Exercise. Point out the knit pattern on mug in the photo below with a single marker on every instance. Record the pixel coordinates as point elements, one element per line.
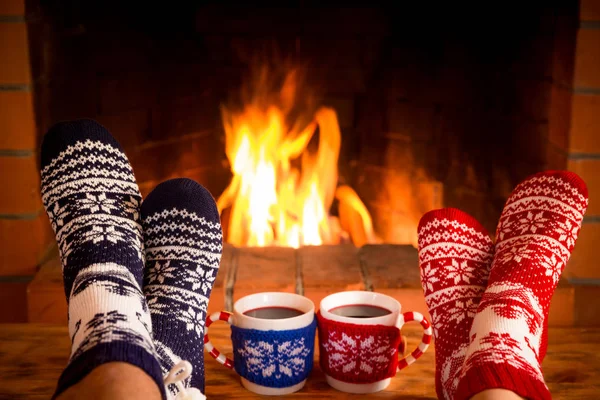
<point>274,358</point>
<point>358,353</point>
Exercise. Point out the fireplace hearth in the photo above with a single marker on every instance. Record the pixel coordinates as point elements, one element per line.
<point>313,271</point>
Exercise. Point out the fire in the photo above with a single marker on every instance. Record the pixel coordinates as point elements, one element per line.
<point>282,187</point>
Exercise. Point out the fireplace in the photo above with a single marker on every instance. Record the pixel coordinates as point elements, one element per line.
<point>434,107</point>
<point>428,117</point>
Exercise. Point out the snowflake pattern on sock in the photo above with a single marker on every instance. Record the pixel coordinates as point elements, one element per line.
<point>92,200</point>
<point>455,254</point>
<point>182,245</point>
<point>536,234</point>
<point>451,367</point>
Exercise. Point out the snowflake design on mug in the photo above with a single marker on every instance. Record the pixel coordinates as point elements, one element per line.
<point>353,354</point>
<point>275,359</point>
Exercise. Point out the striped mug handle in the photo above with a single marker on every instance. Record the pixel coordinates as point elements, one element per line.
<point>216,354</point>
<point>425,340</point>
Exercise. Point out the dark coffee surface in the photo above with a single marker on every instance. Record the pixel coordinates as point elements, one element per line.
<point>273,313</point>
<point>360,311</point>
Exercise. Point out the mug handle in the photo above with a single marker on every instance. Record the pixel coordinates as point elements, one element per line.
<point>425,340</point>
<point>216,354</point>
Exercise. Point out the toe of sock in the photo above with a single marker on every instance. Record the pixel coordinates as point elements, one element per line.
<point>181,193</point>
<point>567,176</point>
<point>67,133</point>
<point>452,214</point>
<point>562,186</point>
<point>576,181</point>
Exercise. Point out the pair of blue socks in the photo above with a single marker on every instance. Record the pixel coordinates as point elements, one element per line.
<point>137,275</point>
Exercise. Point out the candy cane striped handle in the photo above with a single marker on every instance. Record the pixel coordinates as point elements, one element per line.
<point>218,316</point>
<point>425,340</point>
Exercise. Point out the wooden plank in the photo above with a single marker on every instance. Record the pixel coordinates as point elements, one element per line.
<point>32,357</point>
<point>13,301</point>
<point>562,306</point>
<point>17,255</point>
<point>39,353</point>
<point>394,270</point>
<point>572,365</point>
<point>218,296</point>
<point>328,269</point>
<point>46,301</point>
<point>391,266</point>
<point>312,271</point>
<point>264,269</point>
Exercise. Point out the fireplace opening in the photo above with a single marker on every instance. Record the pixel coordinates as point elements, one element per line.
<point>283,153</point>
<point>386,112</point>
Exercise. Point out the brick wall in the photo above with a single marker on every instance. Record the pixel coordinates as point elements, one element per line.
<point>584,158</point>
<point>25,235</point>
<point>164,113</point>
<point>465,110</point>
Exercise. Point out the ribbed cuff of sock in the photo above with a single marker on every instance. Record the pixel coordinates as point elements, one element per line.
<point>501,376</point>
<point>110,352</point>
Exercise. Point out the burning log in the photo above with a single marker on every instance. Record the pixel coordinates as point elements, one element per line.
<point>354,217</point>
<point>282,187</point>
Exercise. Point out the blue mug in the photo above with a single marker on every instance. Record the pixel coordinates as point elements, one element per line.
<point>273,337</point>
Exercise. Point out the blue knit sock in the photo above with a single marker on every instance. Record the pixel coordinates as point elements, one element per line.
<point>92,199</point>
<point>183,244</point>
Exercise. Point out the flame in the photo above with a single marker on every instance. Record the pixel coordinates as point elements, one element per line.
<point>282,188</point>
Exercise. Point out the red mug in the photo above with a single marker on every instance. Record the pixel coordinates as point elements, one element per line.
<point>360,342</point>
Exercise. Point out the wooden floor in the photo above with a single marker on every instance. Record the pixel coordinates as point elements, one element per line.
<point>33,356</point>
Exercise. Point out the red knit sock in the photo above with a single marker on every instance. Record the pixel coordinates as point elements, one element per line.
<point>536,234</point>
<point>455,255</point>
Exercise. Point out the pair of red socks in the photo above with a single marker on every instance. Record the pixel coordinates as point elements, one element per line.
<point>489,303</point>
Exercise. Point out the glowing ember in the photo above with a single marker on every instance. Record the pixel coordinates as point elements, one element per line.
<point>282,190</point>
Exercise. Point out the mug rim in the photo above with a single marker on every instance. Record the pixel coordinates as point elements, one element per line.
<point>364,297</point>
<point>273,299</point>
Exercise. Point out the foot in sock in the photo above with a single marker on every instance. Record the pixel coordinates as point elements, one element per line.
<point>455,254</point>
<point>535,236</point>
<point>92,199</point>
<point>183,245</point>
